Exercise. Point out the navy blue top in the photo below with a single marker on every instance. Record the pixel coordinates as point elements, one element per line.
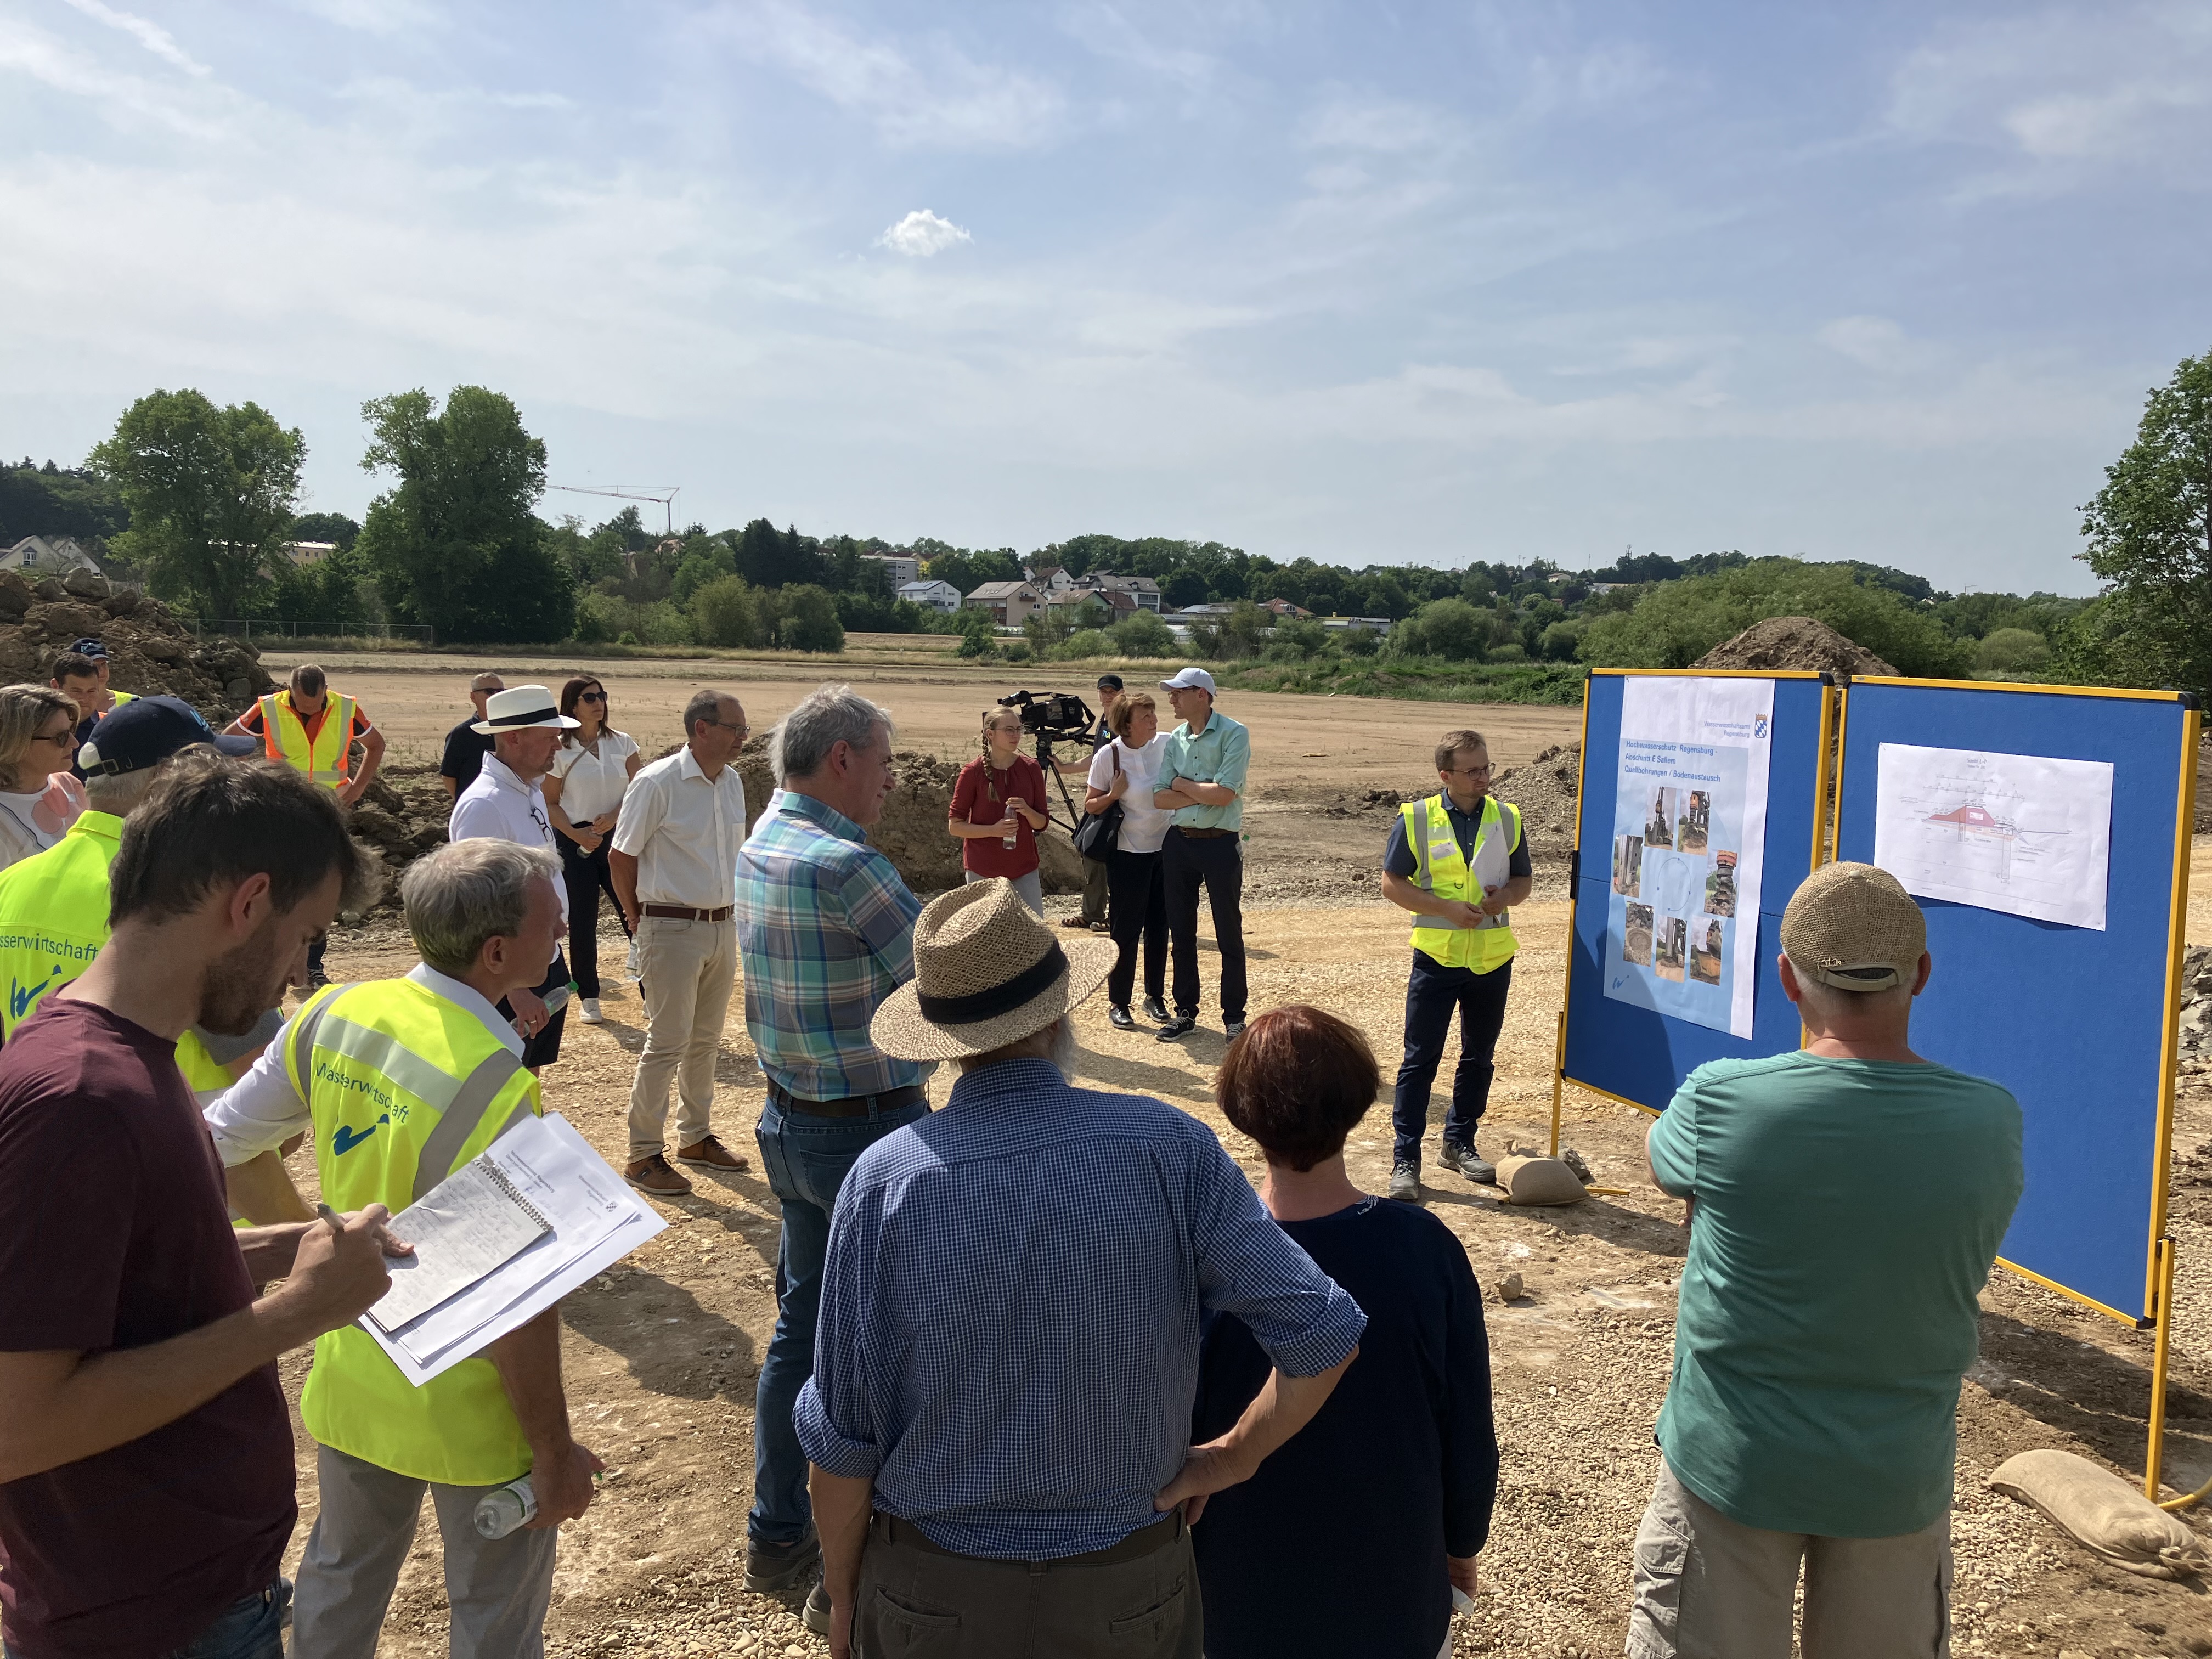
<point>1337,1544</point>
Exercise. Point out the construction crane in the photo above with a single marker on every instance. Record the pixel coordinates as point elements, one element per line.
<point>665,497</point>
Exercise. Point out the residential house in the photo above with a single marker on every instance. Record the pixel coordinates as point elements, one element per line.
<point>1144,592</point>
<point>38,556</point>
<point>309,552</point>
<point>938,596</point>
<point>1049,578</point>
<point>1285,611</point>
<point>904,567</point>
<point>1009,602</point>
<point>1364,624</point>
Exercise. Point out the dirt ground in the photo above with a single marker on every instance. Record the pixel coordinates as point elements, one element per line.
<point>663,1351</point>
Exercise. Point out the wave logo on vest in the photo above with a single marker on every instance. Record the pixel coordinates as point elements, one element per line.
<point>20,996</point>
<point>344,1140</point>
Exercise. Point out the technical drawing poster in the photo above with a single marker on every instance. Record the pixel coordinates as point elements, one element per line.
<point>2024,833</point>
<point>1689,831</point>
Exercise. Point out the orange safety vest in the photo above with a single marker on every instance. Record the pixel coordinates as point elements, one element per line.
<point>325,757</point>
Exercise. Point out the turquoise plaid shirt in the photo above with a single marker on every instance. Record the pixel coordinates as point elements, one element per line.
<point>825,929</point>
<point>1221,754</point>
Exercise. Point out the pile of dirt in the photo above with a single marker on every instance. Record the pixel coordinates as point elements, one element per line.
<point>148,651</point>
<point>1798,643</point>
<point>2194,1044</point>
<point>1545,790</point>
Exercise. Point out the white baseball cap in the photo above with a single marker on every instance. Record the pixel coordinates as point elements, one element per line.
<point>1191,679</point>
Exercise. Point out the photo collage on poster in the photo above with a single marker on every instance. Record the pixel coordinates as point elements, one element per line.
<point>1679,886</point>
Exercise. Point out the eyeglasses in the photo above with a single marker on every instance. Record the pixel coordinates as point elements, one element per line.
<point>1468,771</point>
<point>741,728</point>
<point>591,696</point>
<point>66,735</point>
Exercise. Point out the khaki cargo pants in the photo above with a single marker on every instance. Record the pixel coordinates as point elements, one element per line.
<point>1710,1587</point>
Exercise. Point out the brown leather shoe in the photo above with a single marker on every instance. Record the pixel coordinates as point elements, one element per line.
<point>655,1174</point>
<point>711,1153</point>
<point>1073,921</point>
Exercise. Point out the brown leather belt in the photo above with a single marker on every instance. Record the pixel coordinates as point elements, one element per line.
<point>1201,835</point>
<point>851,1106</point>
<point>686,913</point>
<point>1144,1541</point>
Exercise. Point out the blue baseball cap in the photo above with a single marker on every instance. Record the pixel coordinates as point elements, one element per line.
<point>147,730</point>
<point>92,648</point>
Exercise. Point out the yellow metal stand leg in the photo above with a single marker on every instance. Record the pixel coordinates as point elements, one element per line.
<point>1559,1078</point>
<point>2155,1454</point>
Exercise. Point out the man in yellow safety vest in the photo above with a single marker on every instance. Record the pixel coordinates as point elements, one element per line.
<point>312,729</point>
<point>1457,860</point>
<point>404,1080</point>
<point>53,907</point>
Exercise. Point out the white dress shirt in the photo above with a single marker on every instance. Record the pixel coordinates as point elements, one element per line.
<point>593,784</point>
<point>500,806</point>
<point>684,830</point>
<point>263,1110</point>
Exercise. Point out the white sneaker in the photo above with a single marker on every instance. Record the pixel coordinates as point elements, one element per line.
<point>591,1016</point>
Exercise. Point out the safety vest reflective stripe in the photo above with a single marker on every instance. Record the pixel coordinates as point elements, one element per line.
<point>1440,867</point>
<point>405,1087</point>
<point>327,757</point>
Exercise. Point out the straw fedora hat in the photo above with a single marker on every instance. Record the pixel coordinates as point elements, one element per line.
<point>986,972</point>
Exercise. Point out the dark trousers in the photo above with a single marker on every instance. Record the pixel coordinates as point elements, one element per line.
<point>1217,862</point>
<point>587,877</point>
<point>1137,908</point>
<point>544,1046</point>
<point>1096,886</point>
<point>1433,994</point>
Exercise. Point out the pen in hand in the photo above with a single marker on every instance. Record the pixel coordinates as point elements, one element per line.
<point>385,1241</point>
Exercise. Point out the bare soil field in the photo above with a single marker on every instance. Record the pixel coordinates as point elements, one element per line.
<point>663,1351</point>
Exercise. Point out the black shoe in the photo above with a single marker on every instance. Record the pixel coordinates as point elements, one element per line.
<point>817,1611</point>
<point>1232,1029</point>
<point>1176,1028</point>
<point>779,1566</point>
<point>1405,1183</point>
<point>1156,1011</point>
<point>1118,1018</point>
<point>1470,1163</point>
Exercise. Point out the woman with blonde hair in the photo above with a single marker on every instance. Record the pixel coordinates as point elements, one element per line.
<point>998,808</point>
<point>39,798</point>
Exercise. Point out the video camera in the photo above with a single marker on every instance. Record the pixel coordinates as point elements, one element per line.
<point>1053,715</point>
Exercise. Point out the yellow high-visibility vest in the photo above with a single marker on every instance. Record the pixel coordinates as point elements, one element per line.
<point>1440,868</point>
<point>405,1087</point>
<point>53,920</point>
<point>327,757</point>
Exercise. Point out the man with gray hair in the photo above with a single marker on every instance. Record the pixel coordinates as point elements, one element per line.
<point>826,929</point>
<point>405,1080</point>
<point>674,862</point>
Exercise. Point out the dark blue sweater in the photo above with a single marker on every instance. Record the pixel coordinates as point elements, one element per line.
<point>1337,1544</point>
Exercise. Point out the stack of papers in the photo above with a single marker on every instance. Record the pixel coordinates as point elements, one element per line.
<point>591,1219</point>
<point>471,1222</point>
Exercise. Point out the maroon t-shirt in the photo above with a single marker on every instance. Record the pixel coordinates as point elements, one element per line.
<point>979,795</point>
<point>114,1233</point>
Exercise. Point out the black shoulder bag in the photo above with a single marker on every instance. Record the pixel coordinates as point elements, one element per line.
<point>1095,835</point>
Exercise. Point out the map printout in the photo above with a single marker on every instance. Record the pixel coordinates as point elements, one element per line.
<point>2024,833</point>
<point>1689,834</point>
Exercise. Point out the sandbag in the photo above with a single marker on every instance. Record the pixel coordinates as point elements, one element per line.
<point>2104,1513</point>
<point>1531,1178</point>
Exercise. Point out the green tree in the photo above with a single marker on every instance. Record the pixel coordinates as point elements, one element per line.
<point>210,491</point>
<point>2012,651</point>
<point>723,613</point>
<point>454,543</point>
<point>1450,628</point>
<point>2149,531</point>
<point>809,619</point>
<point>325,527</point>
<point>1142,634</point>
<point>58,500</point>
<point>1048,627</point>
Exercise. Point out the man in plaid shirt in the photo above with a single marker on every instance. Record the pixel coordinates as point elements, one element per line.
<point>825,931</point>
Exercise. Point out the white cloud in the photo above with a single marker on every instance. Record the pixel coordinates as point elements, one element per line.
<point>150,35</point>
<point>1870,342</point>
<point>922,233</point>
<point>935,97</point>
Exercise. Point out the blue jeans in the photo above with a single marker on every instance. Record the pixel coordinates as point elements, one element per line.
<point>1434,994</point>
<point>252,1628</point>
<point>805,1159</point>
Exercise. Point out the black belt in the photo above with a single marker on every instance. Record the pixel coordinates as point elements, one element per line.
<point>685,913</point>
<point>1200,835</point>
<point>1145,1540</point>
<point>851,1106</point>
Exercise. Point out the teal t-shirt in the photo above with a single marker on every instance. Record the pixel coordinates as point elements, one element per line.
<point>1848,1212</point>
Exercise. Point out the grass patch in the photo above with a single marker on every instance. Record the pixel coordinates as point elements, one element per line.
<point>1426,679</point>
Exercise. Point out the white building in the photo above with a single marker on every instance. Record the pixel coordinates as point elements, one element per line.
<point>938,596</point>
<point>40,555</point>
<point>904,569</point>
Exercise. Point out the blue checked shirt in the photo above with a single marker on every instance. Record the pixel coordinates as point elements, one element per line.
<point>825,931</point>
<point>1011,1305</point>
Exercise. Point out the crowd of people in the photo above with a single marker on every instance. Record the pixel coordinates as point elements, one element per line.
<point>1048,1374</point>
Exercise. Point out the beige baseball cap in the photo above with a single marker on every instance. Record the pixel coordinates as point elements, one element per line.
<point>1854,928</point>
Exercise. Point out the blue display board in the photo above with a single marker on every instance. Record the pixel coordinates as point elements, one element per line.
<point>1637,1055</point>
<point>2077,1022</point>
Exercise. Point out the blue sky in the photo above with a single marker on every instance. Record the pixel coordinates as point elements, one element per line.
<point>1362,283</point>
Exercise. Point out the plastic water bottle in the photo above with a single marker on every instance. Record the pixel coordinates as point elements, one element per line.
<point>503,1509</point>
<point>1013,829</point>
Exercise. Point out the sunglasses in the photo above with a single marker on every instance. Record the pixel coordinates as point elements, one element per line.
<point>591,696</point>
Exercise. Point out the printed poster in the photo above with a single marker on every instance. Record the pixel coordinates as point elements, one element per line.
<point>1689,834</point>
<point>2029,834</point>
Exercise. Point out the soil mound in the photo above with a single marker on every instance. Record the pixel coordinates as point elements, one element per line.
<point>1798,643</point>
<point>1546,790</point>
<point>148,651</point>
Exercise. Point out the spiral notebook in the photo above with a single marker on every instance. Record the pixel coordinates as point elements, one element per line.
<point>473,1223</point>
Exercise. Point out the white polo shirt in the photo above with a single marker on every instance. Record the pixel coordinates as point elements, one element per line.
<point>500,806</point>
<point>684,830</point>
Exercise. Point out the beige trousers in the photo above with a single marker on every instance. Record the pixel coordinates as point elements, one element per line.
<point>1710,1587</point>
<point>687,968</point>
